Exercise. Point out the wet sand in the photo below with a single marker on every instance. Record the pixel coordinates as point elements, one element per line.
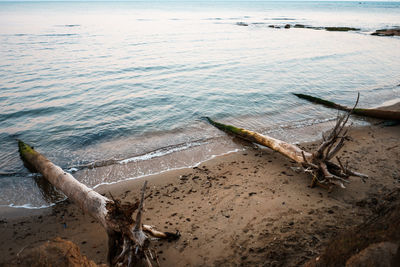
<point>244,208</point>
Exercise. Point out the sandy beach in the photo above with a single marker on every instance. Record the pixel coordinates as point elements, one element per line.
<point>248,208</point>
<point>118,94</point>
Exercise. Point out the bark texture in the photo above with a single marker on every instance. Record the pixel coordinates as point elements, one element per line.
<point>128,243</point>
<point>324,172</point>
<point>373,113</point>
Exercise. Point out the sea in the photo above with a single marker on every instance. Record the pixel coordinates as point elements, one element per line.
<point>112,91</point>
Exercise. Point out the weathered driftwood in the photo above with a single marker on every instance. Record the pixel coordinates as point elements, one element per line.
<point>374,113</point>
<point>325,172</point>
<point>128,242</point>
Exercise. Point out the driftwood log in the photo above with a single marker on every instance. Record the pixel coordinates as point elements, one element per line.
<point>324,172</point>
<point>128,243</point>
<point>373,113</point>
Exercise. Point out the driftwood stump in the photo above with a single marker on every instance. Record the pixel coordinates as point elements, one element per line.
<point>128,238</point>
<point>318,163</point>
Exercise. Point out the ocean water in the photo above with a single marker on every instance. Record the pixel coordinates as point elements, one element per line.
<point>116,90</point>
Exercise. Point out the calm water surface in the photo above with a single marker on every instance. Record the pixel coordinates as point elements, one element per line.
<point>125,84</point>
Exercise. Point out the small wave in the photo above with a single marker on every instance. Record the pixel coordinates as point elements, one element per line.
<point>31,80</point>
<point>138,44</point>
<point>305,123</point>
<point>59,34</point>
<point>170,169</point>
<point>214,19</point>
<point>150,155</point>
<point>92,165</point>
<point>45,111</point>
<point>29,206</point>
<point>72,170</point>
<point>280,19</point>
<point>14,174</point>
<point>162,152</point>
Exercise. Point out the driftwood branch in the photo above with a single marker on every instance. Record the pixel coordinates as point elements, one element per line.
<point>374,113</point>
<point>324,172</point>
<point>128,242</point>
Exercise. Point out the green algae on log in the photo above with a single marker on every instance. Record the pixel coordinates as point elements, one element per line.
<point>128,242</point>
<point>373,113</point>
<point>325,173</point>
<point>291,151</point>
<point>27,154</point>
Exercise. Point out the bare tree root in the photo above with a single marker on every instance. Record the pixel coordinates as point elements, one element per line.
<point>319,164</point>
<point>128,238</point>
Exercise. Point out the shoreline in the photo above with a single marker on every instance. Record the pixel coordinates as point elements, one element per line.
<point>310,133</point>
<point>116,171</point>
<point>160,158</point>
<point>239,208</point>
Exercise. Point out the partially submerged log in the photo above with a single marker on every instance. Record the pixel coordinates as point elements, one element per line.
<point>128,242</point>
<point>291,151</point>
<point>324,172</point>
<point>374,113</point>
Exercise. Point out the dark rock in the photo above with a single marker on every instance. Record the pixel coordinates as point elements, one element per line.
<point>299,26</point>
<point>287,26</point>
<point>387,32</point>
<point>341,29</point>
<point>314,28</point>
<point>242,24</point>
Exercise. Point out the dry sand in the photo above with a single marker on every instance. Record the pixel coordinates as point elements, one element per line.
<point>248,208</point>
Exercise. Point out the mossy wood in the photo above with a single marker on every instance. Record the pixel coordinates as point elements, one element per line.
<point>128,239</point>
<point>373,113</point>
<point>291,151</point>
<point>324,172</point>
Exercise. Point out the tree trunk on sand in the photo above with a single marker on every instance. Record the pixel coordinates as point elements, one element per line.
<point>128,244</point>
<point>325,173</point>
<point>373,113</point>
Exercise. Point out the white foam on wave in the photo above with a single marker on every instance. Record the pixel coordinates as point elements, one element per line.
<point>162,152</point>
<point>305,123</point>
<point>170,169</point>
<point>31,207</point>
<point>72,170</point>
